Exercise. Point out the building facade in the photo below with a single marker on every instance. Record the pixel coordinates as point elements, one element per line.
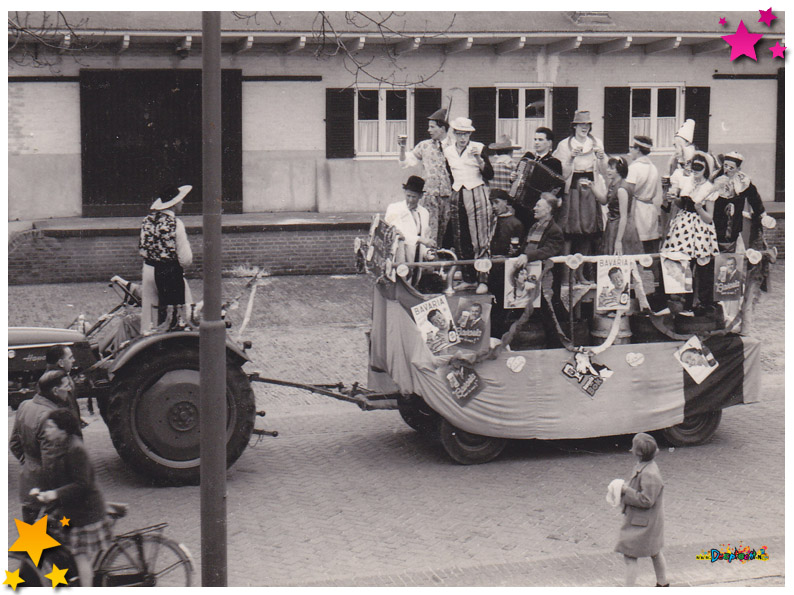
<point>106,113</point>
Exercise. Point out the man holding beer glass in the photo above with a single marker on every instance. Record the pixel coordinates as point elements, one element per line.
<point>430,153</point>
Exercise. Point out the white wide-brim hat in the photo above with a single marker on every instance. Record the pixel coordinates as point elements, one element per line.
<point>161,205</point>
<point>462,124</point>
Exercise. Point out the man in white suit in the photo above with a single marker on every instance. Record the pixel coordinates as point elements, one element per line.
<point>411,220</point>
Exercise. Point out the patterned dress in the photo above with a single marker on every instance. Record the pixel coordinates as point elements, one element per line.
<point>688,232</point>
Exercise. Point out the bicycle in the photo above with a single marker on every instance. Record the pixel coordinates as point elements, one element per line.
<point>139,558</point>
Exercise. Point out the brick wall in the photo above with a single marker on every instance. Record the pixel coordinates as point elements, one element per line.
<point>57,256</point>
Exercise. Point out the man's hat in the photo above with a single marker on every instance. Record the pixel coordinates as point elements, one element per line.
<point>735,157</point>
<point>687,131</point>
<point>415,184</point>
<point>439,115</point>
<point>170,197</point>
<point>581,117</point>
<point>462,124</point>
<point>504,142</point>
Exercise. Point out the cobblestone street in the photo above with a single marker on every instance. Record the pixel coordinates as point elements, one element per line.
<point>344,497</point>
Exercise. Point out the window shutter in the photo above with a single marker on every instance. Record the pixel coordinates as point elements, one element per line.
<point>426,101</point>
<point>482,111</point>
<point>616,119</point>
<point>564,101</point>
<point>696,107</point>
<point>339,124</point>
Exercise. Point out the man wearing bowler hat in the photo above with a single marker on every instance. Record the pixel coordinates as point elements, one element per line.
<point>438,186</point>
<point>412,221</point>
<point>166,251</point>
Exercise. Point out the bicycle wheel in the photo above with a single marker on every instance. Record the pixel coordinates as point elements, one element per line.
<point>145,560</point>
<point>28,572</point>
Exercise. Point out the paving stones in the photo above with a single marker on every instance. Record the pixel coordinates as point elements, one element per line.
<point>344,497</point>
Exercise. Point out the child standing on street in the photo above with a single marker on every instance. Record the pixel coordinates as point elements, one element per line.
<point>642,533</point>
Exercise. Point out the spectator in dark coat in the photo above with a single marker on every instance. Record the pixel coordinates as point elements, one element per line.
<point>28,442</point>
<point>61,357</point>
<point>642,533</point>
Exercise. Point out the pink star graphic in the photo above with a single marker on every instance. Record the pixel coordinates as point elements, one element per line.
<point>742,42</point>
<point>767,17</point>
<point>777,50</point>
<point>723,22</point>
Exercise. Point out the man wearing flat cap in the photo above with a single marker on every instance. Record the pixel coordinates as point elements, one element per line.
<point>412,221</point>
<point>166,251</point>
<point>438,186</point>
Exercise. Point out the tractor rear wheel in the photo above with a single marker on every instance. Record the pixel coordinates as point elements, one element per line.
<point>153,414</point>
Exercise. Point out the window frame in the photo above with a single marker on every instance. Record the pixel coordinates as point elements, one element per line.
<point>522,88</point>
<point>680,108</point>
<point>381,154</point>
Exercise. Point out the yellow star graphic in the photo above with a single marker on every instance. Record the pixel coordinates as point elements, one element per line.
<point>57,576</point>
<point>33,539</point>
<point>64,522</point>
<point>12,579</point>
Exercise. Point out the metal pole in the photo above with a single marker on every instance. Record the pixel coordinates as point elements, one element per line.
<point>212,332</point>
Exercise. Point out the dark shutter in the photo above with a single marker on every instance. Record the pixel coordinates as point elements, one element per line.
<point>339,124</point>
<point>482,111</point>
<point>616,119</point>
<point>564,101</point>
<point>426,101</point>
<point>696,107</point>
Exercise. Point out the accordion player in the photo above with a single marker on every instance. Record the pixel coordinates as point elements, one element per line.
<point>533,178</point>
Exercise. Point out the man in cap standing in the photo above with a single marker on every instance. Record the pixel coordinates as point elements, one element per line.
<point>502,162</point>
<point>438,187</point>
<point>166,251</point>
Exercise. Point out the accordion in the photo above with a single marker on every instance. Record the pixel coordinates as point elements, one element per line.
<point>532,178</point>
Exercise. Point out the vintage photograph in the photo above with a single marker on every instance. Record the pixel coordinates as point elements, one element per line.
<point>269,282</point>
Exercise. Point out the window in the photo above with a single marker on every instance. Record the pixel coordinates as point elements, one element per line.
<point>520,111</point>
<point>381,115</point>
<point>656,112</point>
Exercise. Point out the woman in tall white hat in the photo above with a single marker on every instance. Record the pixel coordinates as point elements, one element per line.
<point>166,252</point>
<point>471,215</point>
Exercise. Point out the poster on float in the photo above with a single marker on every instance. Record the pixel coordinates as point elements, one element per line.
<point>520,282</point>
<point>613,283</point>
<point>435,322</point>
<point>676,274</point>
<point>728,277</point>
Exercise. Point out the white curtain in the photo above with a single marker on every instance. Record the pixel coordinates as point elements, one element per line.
<point>367,136</point>
<point>640,126</point>
<point>530,126</point>
<point>508,126</point>
<point>665,131</point>
<point>393,128</point>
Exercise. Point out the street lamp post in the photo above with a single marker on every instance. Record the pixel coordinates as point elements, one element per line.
<point>212,331</point>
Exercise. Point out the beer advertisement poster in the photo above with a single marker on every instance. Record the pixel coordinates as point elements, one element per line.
<point>520,282</point>
<point>436,323</point>
<point>613,283</point>
<point>463,382</point>
<point>728,277</point>
<point>473,321</point>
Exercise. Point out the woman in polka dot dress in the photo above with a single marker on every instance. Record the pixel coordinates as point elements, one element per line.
<point>692,231</point>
